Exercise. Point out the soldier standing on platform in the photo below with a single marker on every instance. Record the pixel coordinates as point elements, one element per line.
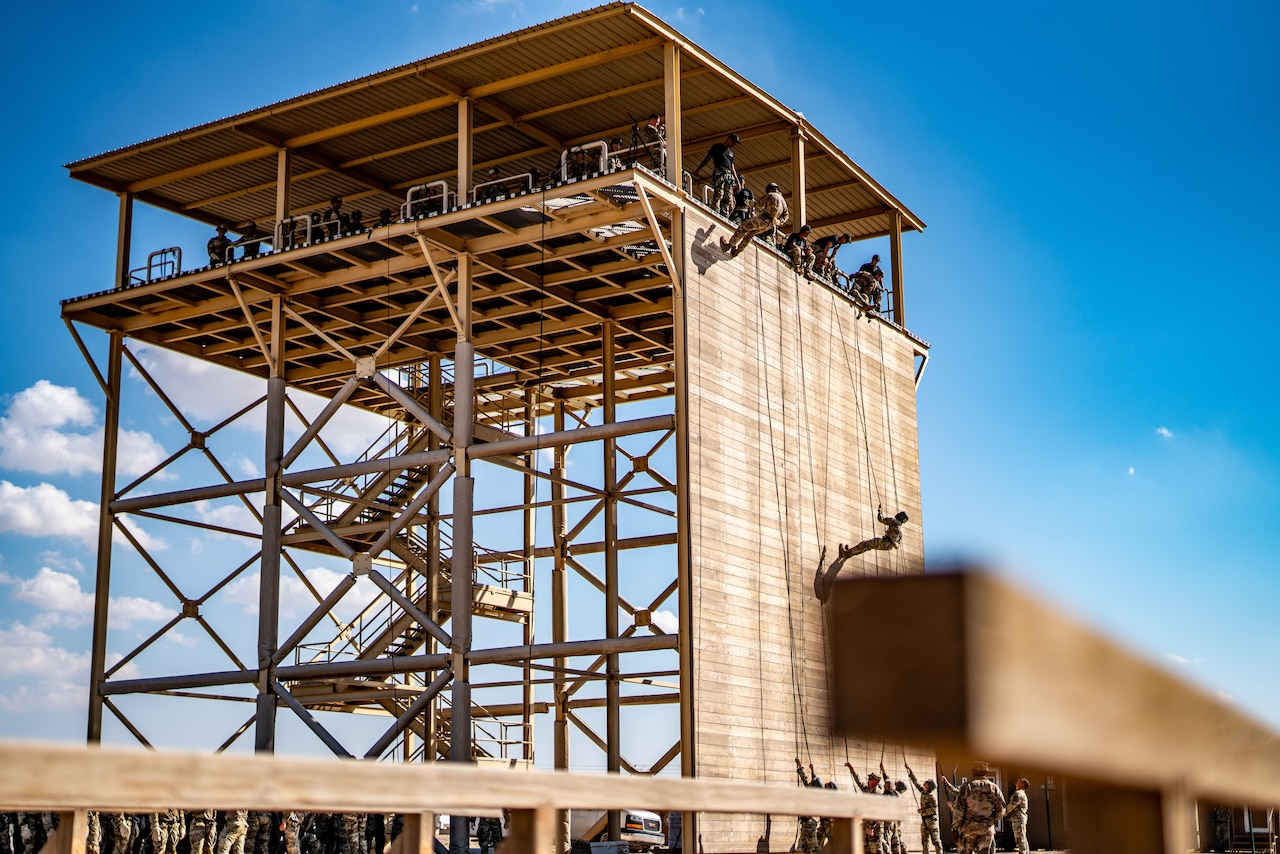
<point>724,176</point>
<point>928,813</point>
<point>218,246</point>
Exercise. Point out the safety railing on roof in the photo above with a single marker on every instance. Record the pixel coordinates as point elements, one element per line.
<point>161,264</point>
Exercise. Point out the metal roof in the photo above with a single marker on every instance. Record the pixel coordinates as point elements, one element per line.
<point>580,78</point>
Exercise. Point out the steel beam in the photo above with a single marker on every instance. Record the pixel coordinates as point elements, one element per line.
<point>106,526</point>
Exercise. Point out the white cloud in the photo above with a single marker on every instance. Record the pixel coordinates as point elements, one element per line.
<point>248,467</point>
<point>37,435</point>
<point>295,599</point>
<point>57,560</point>
<point>46,511</point>
<point>62,601</point>
<point>1224,697</point>
<point>1164,432</point>
<point>1175,658</point>
<point>60,677</point>
<point>231,514</point>
<point>1130,469</point>
<point>666,621</point>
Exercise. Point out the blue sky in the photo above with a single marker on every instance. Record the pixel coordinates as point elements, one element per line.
<point>1098,419</point>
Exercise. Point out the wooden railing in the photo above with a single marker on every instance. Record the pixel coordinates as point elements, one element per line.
<point>978,670</point>
<point>971,667</point>
<point>70,780</point>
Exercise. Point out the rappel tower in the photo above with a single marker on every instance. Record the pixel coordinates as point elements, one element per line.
<point>591,416</point>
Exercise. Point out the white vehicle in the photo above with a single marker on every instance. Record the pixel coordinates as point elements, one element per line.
<point>641,829</point>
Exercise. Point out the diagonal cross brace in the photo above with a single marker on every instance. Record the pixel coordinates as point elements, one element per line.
<point>410,608</point>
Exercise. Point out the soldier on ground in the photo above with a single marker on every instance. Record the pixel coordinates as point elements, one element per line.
<point>928,813</point>
<point>290,825</point>
<point>203,831</point>
<point>809,843</point>
<point>771,215</point>
<point>489,834</point>
<point>1017,813</point>
<point>218,246</point>
<point>873,838</point>
<point>979,806</point>
<point>232,837</point>
<point>167,828</point>
<point>724,176</point>
<point>1220,822</point>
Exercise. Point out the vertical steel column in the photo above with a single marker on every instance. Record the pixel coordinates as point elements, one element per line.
<point>284,190</point>
<point>124,240</point>
<point>269,576</point>
<point>613,703</point>
<point>463,558</point>
<point>560,608</point>
<point>799,202</point>
<point>106,527</point>
<point>684,532</point>
<point>530,545</point>
<point>466,115</point>
<point>895,267</point>
<point>671,95</point>
<point>435,405</point>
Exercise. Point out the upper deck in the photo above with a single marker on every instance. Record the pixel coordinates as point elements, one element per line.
<point>548,262</point>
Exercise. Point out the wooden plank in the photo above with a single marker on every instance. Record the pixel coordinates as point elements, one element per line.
<point>59,777</point>
<point>981,669</point>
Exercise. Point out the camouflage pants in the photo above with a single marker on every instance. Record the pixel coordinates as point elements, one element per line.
<point>291,838</point>
<point>352,834</point>
<point>874,840</point>
<point>976,839</point>
<point>122,834</point>
<point>722,185</point>
<point>882,544</point>
<point>258,839</point>
<point>165,836</point>
<point>201,835</point>
<point>489,834</point>
<point>801,258</point>
<point>1020,836</point>
<point>929,831</point>
<point>893,836</point>
<point>93,839</point>
<point>743,234</point>
<point>232,838</point>
<point>808,835</point>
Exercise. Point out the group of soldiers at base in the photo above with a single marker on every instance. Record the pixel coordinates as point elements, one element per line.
<point>215,832</point>
<point>26,832</point>
<point>976,806</point>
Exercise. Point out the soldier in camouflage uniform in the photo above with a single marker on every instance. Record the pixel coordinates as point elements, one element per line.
<point>825,826</point>
<point>771,215</point>
<point>808,824</point>
<point>203,831</point>
<point>290,826</point>
<point>1017,813</point>
<point>232,837</point>
<point>797,249</point>
<point>218,246</point>
<point>928,813</point>
<point>488,834</point>
<point>873,838</point>
<point>1220,821</point>
<point>979,806</point>
<point>352,840</point>
<point>166,829</point>
<point>258,837</point>
<point>7,821</point>
<point>892,534</point>
<point>121,833</point>
<point>893,829</point>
